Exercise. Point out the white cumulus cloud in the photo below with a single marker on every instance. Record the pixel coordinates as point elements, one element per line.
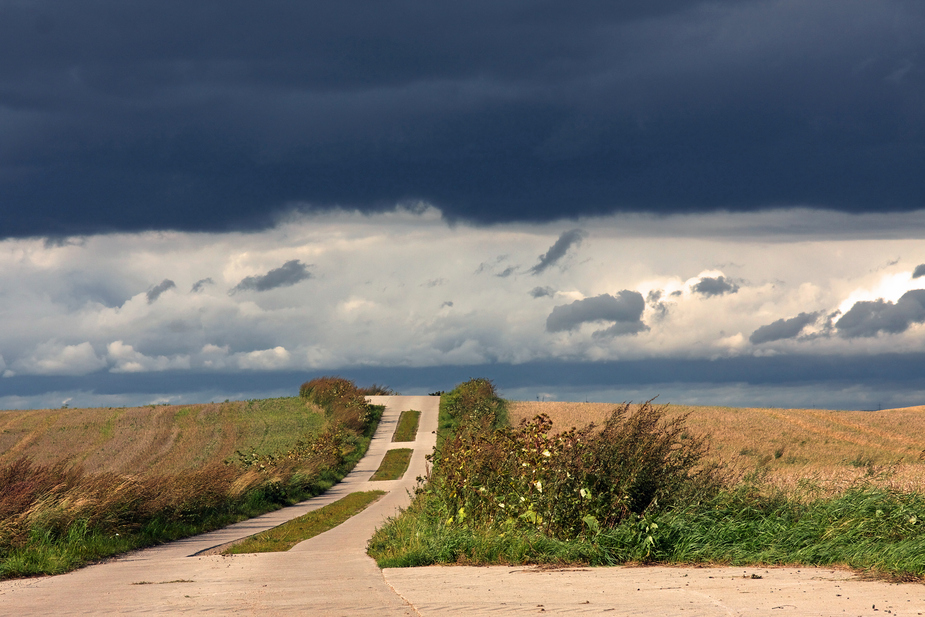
<point>54,358</point>
<point>126,360</point>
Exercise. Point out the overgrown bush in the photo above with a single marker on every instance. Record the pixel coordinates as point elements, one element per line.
<point>341,401</point>
<point>634,490</point>
<point>378,390</point>
<point>575,481</point>
<point>474,402</point>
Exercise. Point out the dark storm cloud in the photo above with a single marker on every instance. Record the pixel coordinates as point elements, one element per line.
<point>155,292</point>
<point>782,328</point>
<point>288,274</point>
<point>919,271</point>
<point>201,284</point>
<point>542,292</point>
<point>558,250</point>
<point>715,286</point>
<point>224,114</point>
<point>625,309</point>
<point>869,318</point>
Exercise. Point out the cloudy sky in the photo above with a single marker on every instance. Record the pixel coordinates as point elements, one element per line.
<point>713,202</point>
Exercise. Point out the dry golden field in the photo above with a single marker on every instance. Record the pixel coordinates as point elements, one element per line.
<point>157,438</point>
<point>797,449</point>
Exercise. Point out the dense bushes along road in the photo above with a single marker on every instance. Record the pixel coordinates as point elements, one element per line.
<point>635,489</point>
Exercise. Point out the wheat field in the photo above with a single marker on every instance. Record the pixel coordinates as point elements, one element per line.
<point>792,449</point>
<point>156,438</point>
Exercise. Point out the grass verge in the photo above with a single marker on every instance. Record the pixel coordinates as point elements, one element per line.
<point>866,529</point>
<point>307,526</point>
<point>407,428</point>
<point>393,465</point>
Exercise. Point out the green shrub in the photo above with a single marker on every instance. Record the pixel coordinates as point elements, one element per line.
<point>474,401</point>
<point>576,481</point>
<point>341,401</point>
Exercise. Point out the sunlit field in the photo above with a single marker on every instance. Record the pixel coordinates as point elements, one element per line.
<point>793,448</point>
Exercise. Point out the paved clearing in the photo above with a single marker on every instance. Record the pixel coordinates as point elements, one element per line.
<point>332,575</point>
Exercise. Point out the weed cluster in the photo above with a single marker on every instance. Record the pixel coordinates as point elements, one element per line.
<point>575,481</point>
<point>50,502</point>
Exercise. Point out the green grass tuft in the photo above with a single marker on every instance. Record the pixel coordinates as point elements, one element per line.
<point>407,428</point>
<point>307,526</point>
<point>393,465</point>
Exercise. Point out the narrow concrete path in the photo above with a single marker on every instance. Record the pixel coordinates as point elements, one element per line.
<point>327,575</point>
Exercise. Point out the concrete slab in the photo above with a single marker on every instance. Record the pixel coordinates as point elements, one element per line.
<point>652,590</point>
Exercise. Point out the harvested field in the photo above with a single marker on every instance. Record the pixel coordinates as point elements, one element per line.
<point>156,438</point>
<point>797,449</point>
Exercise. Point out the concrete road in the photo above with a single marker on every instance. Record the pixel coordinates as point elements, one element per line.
<point>332,575</point>
<point>657,591</point>
<point>327,575</point>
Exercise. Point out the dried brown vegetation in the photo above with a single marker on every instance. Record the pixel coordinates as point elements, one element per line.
<point>155,439</point>
<point>793,449</point>
<point>79,484</point>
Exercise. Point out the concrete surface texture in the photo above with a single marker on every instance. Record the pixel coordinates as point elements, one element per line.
<point>332,575</point>
<point>327,575</point>
<point>651,590</point>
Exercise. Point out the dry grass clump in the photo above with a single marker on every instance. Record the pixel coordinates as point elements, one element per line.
<point>51,500</point>
<point>820,451</point>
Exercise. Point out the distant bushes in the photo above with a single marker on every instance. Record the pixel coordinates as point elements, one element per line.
<point>341,401</point>
<point>474,402</point>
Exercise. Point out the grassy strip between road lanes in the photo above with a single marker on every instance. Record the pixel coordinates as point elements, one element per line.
<point>407,428</point>
<point>307,526</point>
<point>394,464</point>
<point>635,490</point>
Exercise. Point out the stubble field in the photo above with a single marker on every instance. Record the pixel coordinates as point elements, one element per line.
<point>818,451</point>
<point>157,438</point>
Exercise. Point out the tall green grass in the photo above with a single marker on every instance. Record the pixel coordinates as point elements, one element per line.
<point>309,525</point>
<point>865,528</point>
<point>407,427</point>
